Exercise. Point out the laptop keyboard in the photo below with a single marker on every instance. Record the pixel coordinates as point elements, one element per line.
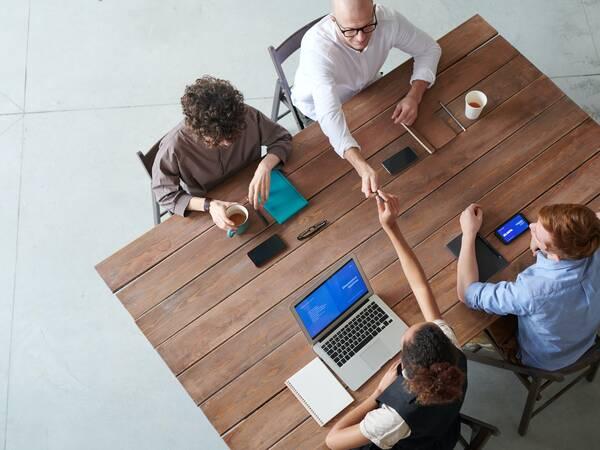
<point>357,333</point>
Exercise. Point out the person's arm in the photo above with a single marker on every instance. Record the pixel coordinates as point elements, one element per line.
<point>467,271</point>
<point>169,194</point>
<point>388,208</point>
<point>279,146</point>
<point>217,211</point>
<point>345,433</point>
<point>331,118</point>
<point>166,183</point>
<point>276,138</point>
<point>426,53</point>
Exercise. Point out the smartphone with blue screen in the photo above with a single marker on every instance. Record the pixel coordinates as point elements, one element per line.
<point>512,228</point>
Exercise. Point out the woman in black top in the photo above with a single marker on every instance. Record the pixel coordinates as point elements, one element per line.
<point>417,402</point>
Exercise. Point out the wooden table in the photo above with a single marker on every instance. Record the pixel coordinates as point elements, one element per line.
<point>223,326</point>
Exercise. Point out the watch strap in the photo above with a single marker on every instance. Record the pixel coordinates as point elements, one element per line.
<point>207,201</point>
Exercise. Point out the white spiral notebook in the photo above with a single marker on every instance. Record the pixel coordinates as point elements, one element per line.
<point>319,391</point>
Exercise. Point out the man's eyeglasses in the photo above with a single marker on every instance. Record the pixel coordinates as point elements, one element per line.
<point>351,32</point>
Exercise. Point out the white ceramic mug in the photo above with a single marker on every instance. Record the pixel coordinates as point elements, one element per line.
<point>472,99</point>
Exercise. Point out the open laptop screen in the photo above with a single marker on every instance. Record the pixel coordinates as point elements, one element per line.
<point>334,296</point>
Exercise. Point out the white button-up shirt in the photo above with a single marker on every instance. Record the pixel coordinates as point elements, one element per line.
<point>330,72</point>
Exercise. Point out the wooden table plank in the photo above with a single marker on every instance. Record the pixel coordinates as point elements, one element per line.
<point>160,242</point>
<point>256,297</point>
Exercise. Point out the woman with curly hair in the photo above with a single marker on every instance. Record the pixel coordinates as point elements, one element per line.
<point>219,136</point>
<point>417,402</point>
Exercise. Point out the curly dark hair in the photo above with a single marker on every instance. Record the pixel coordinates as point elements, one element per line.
<point>429,360</point>
<point>214,109</point>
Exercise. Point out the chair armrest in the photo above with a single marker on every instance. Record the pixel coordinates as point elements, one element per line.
<point>501,364</point>
<point>472,422</point>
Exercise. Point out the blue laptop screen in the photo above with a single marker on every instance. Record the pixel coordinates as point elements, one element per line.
<point>326,303</point>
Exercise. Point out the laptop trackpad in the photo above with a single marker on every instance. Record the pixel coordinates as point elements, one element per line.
<point>376,354</point>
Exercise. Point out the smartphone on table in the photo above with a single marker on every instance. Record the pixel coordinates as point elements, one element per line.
<point>267,250</point>
<point>400,161</point>
<point>512,228</point>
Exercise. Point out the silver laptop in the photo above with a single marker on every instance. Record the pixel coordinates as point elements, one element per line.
<point>352,330</point>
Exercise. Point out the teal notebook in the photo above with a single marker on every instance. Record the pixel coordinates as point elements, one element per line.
<point>284,200</point>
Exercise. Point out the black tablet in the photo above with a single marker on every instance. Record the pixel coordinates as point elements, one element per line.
<point>489,261</point>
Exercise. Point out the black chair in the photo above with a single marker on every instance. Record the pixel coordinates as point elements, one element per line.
<point>147,161</point>
<point>283,93</point>
<point>480,433</point>
<point>537,380</point>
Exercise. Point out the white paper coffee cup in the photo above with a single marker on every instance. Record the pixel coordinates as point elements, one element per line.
<point>475,101</point>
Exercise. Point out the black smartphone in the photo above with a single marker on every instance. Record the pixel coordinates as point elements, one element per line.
<point>400,161</point>
<point>266,250</point>
<point>512,228</point>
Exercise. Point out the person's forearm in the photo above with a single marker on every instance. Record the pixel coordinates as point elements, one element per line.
<point>338,435</point>
<point>270,161</point>
<point>467,271</point>
<point>415,274</point>
<point>196,204</point>
<point>357,414</point>
<point>355,158</point>
<point>417,90</point>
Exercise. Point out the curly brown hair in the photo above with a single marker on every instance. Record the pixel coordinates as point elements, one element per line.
<point>429,360</point>
<point>214,109</point>
<point>575,229</point>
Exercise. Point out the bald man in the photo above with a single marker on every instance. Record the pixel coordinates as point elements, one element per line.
<point>342,54</point>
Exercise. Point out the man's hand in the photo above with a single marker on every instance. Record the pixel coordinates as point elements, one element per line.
<point>217,212</point>
<point>260,185</point>
<point>370,179</point>
<point>388,207</point>
<point>471,220</point>
<point>390,376</point>
<point>406,111</point>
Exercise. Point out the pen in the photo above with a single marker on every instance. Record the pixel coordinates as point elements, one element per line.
<point>452,115</point>
<point>417,139</point>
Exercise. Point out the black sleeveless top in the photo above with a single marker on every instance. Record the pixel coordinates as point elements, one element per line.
<point>432,427</point>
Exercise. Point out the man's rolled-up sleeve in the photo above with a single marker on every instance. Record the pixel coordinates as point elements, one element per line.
<point>500,298</point>
<point>422,47</point>
<point>166,183</point>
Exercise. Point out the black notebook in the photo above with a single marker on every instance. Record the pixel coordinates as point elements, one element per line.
<point>489,261</point>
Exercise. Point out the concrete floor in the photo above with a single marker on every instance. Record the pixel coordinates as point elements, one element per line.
<point>83,85</point>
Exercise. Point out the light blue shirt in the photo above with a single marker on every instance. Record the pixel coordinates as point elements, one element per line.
<point>557,304</point>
